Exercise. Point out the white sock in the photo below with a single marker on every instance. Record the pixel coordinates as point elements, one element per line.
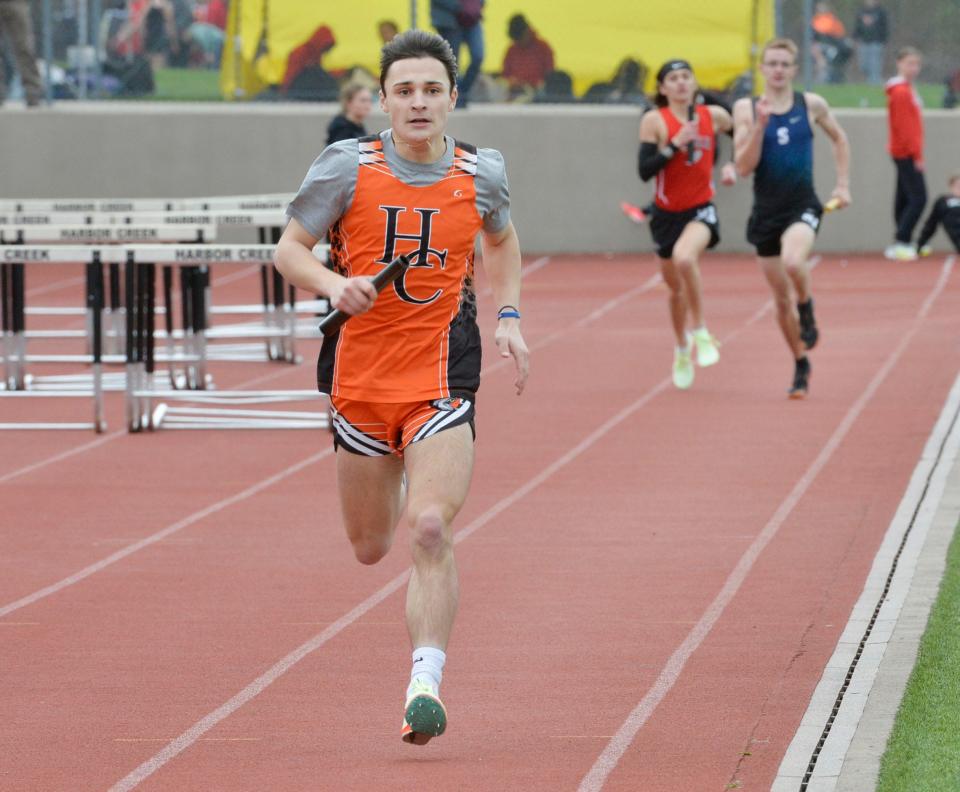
<point>700,330</point>
<point>427,667</point>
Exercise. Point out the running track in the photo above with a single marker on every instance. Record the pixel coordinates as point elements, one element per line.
<point>652,581</point>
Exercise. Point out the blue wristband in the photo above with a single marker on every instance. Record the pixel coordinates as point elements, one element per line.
<point>508,312</point>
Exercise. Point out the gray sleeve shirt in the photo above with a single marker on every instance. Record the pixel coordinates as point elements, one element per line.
<point>329,186</point>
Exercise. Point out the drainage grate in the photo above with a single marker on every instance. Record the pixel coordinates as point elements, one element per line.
<point>876,612</point>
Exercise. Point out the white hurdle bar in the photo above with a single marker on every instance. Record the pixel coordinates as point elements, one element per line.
<point>220,203</point>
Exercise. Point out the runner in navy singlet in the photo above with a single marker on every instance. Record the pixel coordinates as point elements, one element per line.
<point>773,139</point>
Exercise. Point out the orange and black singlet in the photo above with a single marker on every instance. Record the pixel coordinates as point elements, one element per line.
<point>420,341</point>
<point>685,183</point>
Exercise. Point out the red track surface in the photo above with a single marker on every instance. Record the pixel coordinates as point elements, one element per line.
<point>598,539</point>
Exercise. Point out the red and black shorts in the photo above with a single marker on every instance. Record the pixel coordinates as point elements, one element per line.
<point>378,429</point>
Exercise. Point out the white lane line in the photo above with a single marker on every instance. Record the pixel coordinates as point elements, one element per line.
<point>195,732</point>
<point>55,286</point>
<point>61,456</point>
<point>593,316</point>
<point>532,267</point>
<point>223,280</point>
<point>614,750</point>
<point>163,534</point>
<point>915,515</point>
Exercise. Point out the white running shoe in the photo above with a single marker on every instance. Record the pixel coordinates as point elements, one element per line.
<point>708,351</point>
<point>901,252</point>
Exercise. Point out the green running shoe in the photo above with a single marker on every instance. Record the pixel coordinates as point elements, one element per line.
<point>424,716</point>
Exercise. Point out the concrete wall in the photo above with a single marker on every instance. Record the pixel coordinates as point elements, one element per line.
<point>569,167</point>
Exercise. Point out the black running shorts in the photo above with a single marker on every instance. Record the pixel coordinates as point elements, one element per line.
<point>666,227</point>
<point>766,226</point>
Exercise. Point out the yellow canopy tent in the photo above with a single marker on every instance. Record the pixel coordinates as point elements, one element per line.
<point>589,37</point>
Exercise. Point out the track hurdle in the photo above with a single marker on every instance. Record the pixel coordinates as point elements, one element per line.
<point>149,408</point>
<point>113,317</point>
<point>15,259</point>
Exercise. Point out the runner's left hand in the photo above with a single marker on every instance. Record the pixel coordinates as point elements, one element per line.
<point>842,194</point>
<point>510,342</point>
<point>728,175</point>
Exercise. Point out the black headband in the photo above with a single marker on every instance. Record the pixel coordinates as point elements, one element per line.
<point>672,66</point>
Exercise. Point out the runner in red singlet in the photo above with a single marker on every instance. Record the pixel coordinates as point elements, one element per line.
<point>677,145</point>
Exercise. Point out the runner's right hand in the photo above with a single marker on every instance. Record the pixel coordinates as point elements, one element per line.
<point>763,111</point>
<point>688,132</point>
<point>353,295</point>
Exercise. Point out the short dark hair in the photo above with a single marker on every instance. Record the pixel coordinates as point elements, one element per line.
<point>417,44</point>
<point>517,26</point>
<point>906,52</point>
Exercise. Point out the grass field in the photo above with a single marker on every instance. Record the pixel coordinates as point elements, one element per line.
<point>203,85</point>
<point>924,749</point>
<point>187,85</point>
<point>863,95</point>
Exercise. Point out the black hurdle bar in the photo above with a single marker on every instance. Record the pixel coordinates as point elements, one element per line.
<point>6,318</point>
<point>198,295</point>
<point>168,321</point>
<point>265,295</point>
<point>186,320</point>
<point>95,304</point>
<point>115,300</point>
<point>130,278</point>
<point>17,277</point>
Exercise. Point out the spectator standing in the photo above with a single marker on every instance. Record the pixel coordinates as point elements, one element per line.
<point>356,102</point>
<point>831,49</point>
<point>871,33</point>
<point>904,114</point>
<point>459,22</point>
<point>16,26</point>
<point>528,60</point>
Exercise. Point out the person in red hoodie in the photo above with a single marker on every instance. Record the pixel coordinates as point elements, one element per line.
<point>906,147</point>
<point>528,60</point>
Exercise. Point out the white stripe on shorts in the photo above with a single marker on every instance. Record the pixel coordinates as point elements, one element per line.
<point>358,440</point>
<point>434,425</point>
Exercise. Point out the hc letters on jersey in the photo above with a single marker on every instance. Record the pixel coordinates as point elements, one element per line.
<point>423,256</point>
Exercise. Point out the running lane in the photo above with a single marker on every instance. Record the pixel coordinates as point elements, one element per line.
<point>641,502</point>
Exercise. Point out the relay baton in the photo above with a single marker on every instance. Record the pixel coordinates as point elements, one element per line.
<point>691,146</point>
<point>831,206</point>
<point>335,319</point>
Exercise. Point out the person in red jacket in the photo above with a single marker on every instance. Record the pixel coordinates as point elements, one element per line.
<point>528,60</point>
<point>906,147</point>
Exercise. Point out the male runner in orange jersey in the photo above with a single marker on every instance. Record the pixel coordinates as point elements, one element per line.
<point>677,145</point>
<point>402,373</point>
<point>773,139</point>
